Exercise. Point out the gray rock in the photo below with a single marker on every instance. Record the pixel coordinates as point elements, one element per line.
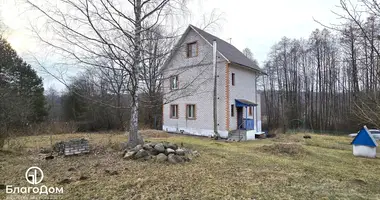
<point>180,152</point>
<point>172,146</point>
<point>169,151</point>
<point>149,144</point>
<point>160,148</point>
<point>141,154</point>
<point>195,153</point>
<point>152,144</point>
<point>148,157</point>
<point>138,148</point>
<point>153,152</point>
<point>166,144</point>
<point>161,157</point>
<point>147,147</point>
<point>187,158</point>
<point>129,154</point>
<point>172,158</point>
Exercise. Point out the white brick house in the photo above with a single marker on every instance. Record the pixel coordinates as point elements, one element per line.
<point>188,88</point>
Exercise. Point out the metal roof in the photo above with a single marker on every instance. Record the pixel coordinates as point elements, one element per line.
<point>244,103</point>
<point>228,50</point>
<point>365,138</point>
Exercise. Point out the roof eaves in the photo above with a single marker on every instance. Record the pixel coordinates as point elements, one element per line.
<point>251,68</point>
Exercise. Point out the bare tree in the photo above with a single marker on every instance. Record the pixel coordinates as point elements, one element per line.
<point>363,18</point>
<point>53,99</point>
<point>248,53</point>
<point>88,31</point>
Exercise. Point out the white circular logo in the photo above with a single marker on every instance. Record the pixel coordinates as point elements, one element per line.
<point>34,175</point>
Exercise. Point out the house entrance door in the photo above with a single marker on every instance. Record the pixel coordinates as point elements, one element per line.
<point>239,114</point>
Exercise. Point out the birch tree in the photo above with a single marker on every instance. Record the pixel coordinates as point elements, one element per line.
<point>86,31</point>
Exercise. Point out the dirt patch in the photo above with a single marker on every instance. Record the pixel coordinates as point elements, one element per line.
<point>291,149</point>
<point>149,133</point>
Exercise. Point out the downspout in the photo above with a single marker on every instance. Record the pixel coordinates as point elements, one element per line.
<point>215,116</point>
<point>255,107</point>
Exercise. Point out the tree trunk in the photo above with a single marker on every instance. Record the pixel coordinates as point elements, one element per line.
<point>134,136</point>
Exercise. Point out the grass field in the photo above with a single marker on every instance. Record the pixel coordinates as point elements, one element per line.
<point>286,167</point>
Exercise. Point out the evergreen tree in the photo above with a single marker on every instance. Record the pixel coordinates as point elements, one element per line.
<point>21,91</point>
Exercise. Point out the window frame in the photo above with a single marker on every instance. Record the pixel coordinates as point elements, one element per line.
<point>187,49</point>
<point>233,79</point>
<point>232,110</point>
<point>171,111</point>
<point>194,112</point>
<point>171,82</point>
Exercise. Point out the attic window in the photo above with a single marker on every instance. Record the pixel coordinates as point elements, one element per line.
<point>174,82</point>
<point>192,50</point>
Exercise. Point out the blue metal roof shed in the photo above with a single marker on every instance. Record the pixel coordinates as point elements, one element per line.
<point>364,138</point>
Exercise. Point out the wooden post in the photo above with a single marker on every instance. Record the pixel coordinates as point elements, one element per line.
<point>246,118</point>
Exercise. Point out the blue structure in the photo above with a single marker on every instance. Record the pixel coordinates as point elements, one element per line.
<point>364,138</point>
<point>248,124</point>
<point>364,144</point>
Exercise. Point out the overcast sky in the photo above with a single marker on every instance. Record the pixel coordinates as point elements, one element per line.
<point>256,24</point>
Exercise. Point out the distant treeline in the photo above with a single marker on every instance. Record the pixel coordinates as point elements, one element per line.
<point>93,108</point>
<point>330,81</point>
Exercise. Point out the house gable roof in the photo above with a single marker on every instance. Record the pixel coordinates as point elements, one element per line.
<point>228,51</point>
<point>365,138</point>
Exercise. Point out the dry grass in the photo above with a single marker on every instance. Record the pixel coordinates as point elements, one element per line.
<point>155,134</point>
<point>291,149</point>
<point>223,171</point>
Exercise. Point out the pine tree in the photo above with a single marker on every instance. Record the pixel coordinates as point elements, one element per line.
<point>21,92</point>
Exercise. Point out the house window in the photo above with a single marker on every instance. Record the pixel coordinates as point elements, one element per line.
<point>250,110</point>
<point>233,79</point>
<point>192,49</point>
<point>232,110</point>
<point>174,111</point>
<point>174,82</point>
<point>190,111</point>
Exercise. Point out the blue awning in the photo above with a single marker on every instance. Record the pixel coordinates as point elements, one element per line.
<point>244,103</point>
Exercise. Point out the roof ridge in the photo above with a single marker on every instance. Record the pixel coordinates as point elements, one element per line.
<point>210,34</point>
<point>227,50</point>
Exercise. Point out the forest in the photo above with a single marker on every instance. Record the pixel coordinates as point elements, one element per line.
<point>329,81</point>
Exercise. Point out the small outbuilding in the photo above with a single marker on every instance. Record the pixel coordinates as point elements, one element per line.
<point>364,144</point>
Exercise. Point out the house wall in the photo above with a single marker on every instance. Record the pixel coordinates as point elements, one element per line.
<point>195,87</point>
<point>244,88</point>
<point>365,151</point>
<point>258,112</point>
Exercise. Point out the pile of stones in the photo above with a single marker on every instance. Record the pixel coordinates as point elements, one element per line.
<point>160,152</point>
